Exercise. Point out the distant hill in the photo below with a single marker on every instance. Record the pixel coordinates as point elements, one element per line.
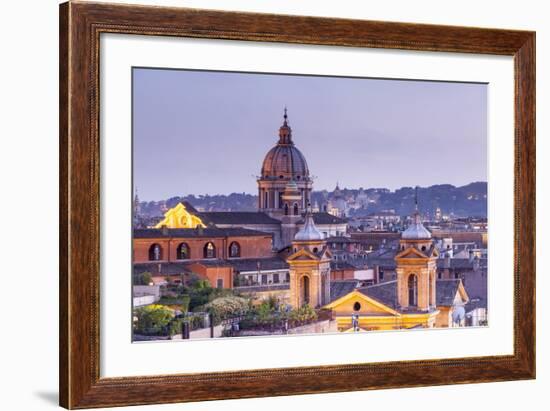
<point>465,201</point>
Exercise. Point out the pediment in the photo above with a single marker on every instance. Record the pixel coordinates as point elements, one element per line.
<point>303,255</point>
<point>411,252</point>
<point>368,305</point>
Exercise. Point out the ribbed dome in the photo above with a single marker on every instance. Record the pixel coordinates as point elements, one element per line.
<point>285,160</point>
<point>308,232</point>
<point>416,231</point>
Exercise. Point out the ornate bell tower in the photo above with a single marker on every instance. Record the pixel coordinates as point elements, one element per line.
<point>416,268</point>
<point>309,267</point>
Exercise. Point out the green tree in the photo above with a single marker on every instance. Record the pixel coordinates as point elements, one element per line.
<point>152,319</point>
<point>143,279</point>
<point>185,301</point>
<point>146,278</point>
<point>303,315</point>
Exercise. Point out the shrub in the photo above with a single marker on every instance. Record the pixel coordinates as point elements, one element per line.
<point>265,313</point>
<point>185,301</point>
<point>152,319</point>
<point>302,315</point>
<point>226,307</point>
<point>174,327</point>
<point>143,279</point>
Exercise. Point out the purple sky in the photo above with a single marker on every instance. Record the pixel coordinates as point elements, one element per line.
<point>208,132</point>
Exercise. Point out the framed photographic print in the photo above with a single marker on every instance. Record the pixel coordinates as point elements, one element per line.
<point>259,205</point>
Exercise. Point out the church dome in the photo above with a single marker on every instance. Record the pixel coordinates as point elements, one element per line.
<point>285,161</point>
<point>308,232</point>
<point>416,231</point>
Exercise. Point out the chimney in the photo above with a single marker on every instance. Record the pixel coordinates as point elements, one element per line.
<point>447,260</point>
<point>476,263</point>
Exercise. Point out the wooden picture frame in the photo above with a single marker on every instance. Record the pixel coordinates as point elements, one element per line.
<point>80,27</point>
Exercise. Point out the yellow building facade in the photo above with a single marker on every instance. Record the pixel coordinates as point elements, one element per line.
<point>179,217</point>
<point>370,314</point>
<point>416,299</point>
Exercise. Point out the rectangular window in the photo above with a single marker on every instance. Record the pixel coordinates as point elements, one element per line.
<point>276,278</point>
<point>264,278</point>
<point>381,275</point>
<point>220,283</point>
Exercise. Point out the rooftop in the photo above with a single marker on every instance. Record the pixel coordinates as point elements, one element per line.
<point>209,232</point>
<point>255,264</point>
<point>340,288</point>
<point>446,291</point>
<point>325,218</point>
<point>237,217</point>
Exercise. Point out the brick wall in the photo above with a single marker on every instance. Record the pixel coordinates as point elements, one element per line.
<point>251,247</point>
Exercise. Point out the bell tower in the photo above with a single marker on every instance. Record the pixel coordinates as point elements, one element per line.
<point>416,267</point>
<point>309,266</point>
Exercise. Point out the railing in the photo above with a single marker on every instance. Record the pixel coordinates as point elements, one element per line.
<point>262,287</point>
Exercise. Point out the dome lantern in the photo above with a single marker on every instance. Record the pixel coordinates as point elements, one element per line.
<point>285,161</point>
<point>416,231</point>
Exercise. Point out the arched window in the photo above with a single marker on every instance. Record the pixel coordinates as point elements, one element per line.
<point>209,250</point>
<point>182,252</point>
<point>305,290</point>
<point>234,249</point>
<point>286,209</point>
<point>155,252</point>
<point>295,209</point>
<point>413,290</point>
